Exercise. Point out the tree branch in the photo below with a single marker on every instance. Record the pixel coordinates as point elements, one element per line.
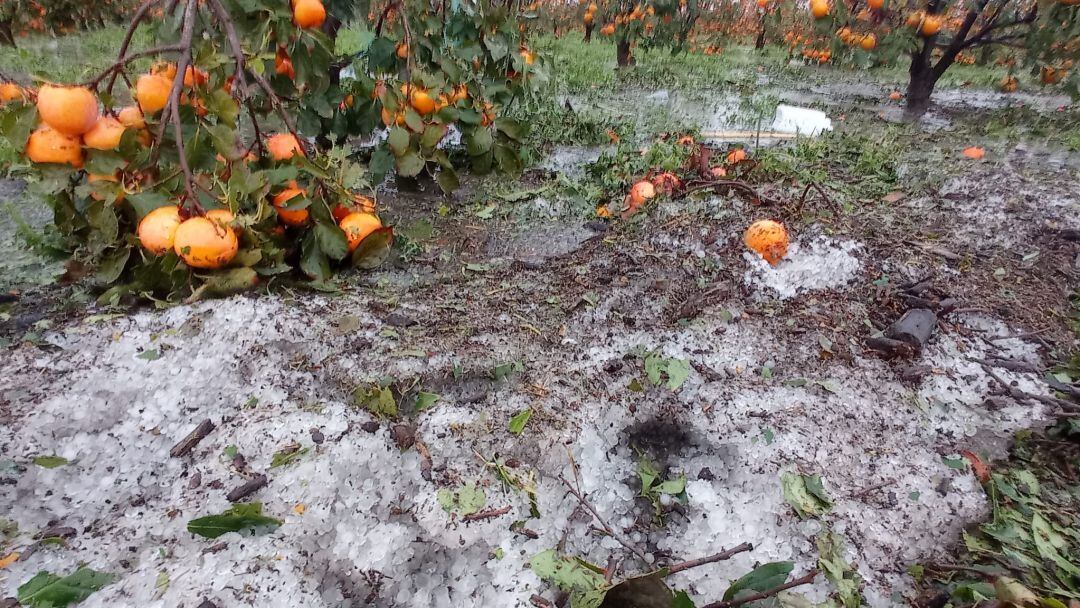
<point>803,580</point>
<point>123,61</point>
<point>608,529</point>
<point>717,557</point>
<point>140,14</point>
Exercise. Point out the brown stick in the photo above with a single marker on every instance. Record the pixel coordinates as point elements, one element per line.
<point>607,529</point>
<point>490,513</point>
<point>1021,396</point>
<point>735,185</point>
<point>140,14</point>
<point>186,444</point>
<point>123,61</point>
<point>716,557</point>
<point>803,580</point>
<point>251,486</point>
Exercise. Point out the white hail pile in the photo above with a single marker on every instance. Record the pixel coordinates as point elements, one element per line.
<point>371,532</point>
<point>822,263</point>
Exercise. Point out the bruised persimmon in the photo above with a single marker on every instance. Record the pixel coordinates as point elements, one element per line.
<point>290,217</point>
<point>283,146</point>
<point>357,227</point>
<point>47,145</point>
<point>769,239</point>
<point>158,229</point>
<point>204,243</point>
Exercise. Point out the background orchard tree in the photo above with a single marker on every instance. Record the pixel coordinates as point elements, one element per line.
<point>656,23</point>
<point>936,34</point>
<point>19,17</point>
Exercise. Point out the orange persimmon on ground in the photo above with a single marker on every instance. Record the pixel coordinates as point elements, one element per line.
<point>357,227</point>
<point>769,239</point>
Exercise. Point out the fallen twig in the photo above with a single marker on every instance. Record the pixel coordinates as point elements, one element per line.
<point>716,557</point>
<point>488,514</point>
<point>1021,395</point>
<point>606,528</point>
<point>734,184</point>
<point>186,444</point>
<point>806,579</point>
<point>241,492</point>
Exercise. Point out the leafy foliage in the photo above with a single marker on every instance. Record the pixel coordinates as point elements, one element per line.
<point>1028,548</point>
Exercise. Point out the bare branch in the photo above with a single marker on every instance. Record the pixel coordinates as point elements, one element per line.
<point>717,557</point>
<point>136,19</point>
<point>600,520</point>
<point>803,580</point>
<point>123,61</point>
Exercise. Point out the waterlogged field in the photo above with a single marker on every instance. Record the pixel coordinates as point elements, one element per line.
<point>536,399</point>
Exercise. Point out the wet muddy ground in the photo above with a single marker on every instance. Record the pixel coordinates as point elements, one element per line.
<point>534,306</point>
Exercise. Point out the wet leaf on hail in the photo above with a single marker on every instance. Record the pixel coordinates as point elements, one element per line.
<point>465,500</point>
<point>241,517</point>
<point>805,494</point>
<point>48,590</point>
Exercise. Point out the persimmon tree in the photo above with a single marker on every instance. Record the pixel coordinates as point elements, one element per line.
<point>211,180</point>
<point>651,24</point>
<point>934,35</point>
<point>57,16</point>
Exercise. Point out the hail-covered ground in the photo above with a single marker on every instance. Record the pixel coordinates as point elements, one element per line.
<point>612,346</point>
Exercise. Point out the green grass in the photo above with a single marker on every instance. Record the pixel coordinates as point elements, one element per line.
<point>71,58</point>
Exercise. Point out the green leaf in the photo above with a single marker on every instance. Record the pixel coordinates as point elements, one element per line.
<point>426,401</point>
<point>47,590</point>
<point>381,54</point>
<point>479,142</point>
<point>682,600</point>
<point>678,371</point>
<point>146,201</point>
<point>398,140</point>
<point>510,128</point>
<point>112,265</point>
<point>374,249</point>
<point>840,573</point>
<point>805,494</point>
<point>240,517</point>
<point>313,261</point>
<point>332,240</point>
<point>431,136</point>
<point>497,45</point>
<point>287,456</point>
<point>448,180</point>
<point>673,487</point>
<point>50,462</point>
<point>518,422</point>
<point>382,160</point>
<point>762,578</point>
<point>466,500</point>
<point>566,573</point>
<point>152,354</point>
<point>222,105</point>
<point>410,164</point>
<point>378,400</point>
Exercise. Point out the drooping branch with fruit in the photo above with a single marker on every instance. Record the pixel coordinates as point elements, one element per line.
<point>209,181</point>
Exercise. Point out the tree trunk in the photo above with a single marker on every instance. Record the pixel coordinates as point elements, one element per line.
<point>588,32</point>
<point>920,86</point>
<point>624,54</point>
<point>7,37</point>
<point>760,42</point>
